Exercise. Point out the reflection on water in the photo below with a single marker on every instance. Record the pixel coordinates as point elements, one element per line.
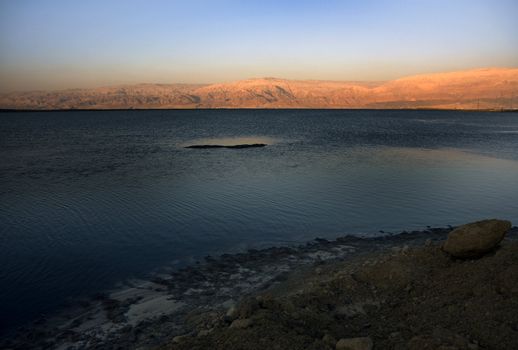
<point>92,198</point>
<point>442,155</point>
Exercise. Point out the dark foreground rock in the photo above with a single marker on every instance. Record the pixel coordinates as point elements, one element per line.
<point>411,298</point>
<point>477,238</point>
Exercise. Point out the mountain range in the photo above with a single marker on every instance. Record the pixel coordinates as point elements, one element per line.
<point>487,88</point>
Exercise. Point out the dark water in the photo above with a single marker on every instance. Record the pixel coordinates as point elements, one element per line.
<point>91,198</point>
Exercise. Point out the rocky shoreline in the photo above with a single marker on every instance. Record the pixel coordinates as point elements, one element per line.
<point>213,304</point>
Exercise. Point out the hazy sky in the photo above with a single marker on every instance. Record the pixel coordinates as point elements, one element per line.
<point>49,44</point>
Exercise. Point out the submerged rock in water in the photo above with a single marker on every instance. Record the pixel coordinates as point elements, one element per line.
<point>475,239</point>
<point>246,145</point>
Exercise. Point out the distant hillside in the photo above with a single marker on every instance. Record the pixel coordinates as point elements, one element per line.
<point>491,88</point>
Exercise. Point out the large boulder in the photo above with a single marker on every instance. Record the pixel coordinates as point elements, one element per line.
<point>475,239</point>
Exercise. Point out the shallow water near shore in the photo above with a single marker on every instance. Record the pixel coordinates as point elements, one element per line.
<point>92,198</point>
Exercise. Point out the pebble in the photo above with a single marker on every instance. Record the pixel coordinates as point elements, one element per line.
<point>363,343</point>
<point>241,323</point>
<point>350,310</point>
<point>329,339</point>
<point>232,312</point>
<point>180,338</point>
<point>204,332</point>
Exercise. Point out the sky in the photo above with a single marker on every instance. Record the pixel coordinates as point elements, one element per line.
<point>56,44</point>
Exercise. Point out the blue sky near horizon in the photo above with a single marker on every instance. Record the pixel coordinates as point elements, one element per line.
<point>50,44</point>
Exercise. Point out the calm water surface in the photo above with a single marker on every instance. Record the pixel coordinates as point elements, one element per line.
<point>91,198</point>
